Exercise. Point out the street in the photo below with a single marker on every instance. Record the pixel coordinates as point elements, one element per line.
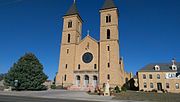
<point>4,98</point>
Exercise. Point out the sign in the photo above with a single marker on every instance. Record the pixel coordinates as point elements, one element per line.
<point>171,76</point>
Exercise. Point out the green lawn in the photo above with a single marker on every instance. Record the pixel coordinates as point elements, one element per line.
<point>148,96</point>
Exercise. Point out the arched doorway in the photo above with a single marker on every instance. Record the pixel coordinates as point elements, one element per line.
<point>86,80</point>
<point>94,81</point>
<point>78,78</point>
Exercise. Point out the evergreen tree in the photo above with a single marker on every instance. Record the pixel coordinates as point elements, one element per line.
<point>26,74</point>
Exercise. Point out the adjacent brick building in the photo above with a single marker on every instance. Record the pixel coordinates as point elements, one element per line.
<point>160,77</point>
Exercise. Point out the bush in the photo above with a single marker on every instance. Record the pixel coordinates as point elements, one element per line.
<point>154,90</point>
<point>117,90</point>
<point>123,88</point>
<point>141,90</point>
<point>53,86</point>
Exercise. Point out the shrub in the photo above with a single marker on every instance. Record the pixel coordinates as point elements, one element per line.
<point>53,86</point>
<point>117,90</point>
<point>123,88</point>
<point>154,90</point>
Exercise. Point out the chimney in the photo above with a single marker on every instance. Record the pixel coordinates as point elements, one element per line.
<point>173,61</point>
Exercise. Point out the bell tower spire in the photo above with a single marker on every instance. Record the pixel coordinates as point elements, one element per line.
<point>109,45</point>
<point>71,36</point>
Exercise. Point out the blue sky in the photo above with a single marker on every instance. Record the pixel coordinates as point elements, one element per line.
<point>149,30</point>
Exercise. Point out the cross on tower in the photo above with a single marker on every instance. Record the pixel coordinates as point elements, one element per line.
<point>74,1</point>
<point>88,32</point>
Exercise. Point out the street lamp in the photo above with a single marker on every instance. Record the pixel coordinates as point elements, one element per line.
<point>16,83</point>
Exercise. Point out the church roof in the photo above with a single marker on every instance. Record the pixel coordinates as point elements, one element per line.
<point>108,4</point>
<point>164,67</point>
<point>88,36</point>
<point>72,10</point>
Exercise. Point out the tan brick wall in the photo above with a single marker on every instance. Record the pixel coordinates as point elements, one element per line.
<point>154,80</point>
<point>112,56</point>
<point>101,56</point>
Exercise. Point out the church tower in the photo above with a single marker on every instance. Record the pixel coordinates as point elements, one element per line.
<point>110,67</point>
<point>71,36</point>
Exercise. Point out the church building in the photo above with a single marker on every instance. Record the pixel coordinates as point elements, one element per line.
<point>87,63</point>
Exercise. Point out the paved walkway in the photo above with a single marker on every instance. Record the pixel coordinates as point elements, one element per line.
<point>63,94</point>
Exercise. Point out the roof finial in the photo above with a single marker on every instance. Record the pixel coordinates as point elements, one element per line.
<point>88,32</point>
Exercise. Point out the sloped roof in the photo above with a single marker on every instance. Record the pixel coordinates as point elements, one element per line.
<point>108,4</point>
<point>88,36</point>
<point>164,67</point>
<point>72,10</point>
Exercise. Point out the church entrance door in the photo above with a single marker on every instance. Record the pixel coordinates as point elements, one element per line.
<point>86,80</point>
<point>78,80</point>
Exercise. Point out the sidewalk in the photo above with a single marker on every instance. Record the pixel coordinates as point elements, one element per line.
<point>63,94</point>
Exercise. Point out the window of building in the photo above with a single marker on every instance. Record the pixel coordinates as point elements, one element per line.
<point>66,66</point>
<point>79,66</point>
<point>177,85</point>
<point>158,76</point>
<point>65,77</point>
<point>70,24</point>
<point>95,66</point>
<point>108,18</point>
<point>167,85</point>
<point>150,76</point>
<point>69,38</point>
<point>108,48</point>
<point>108,65</point>
<point>144,76</point>
<point>67,51</point>
<point>145,85</point>
<point>108,33</point>
<point>151,85</point>
<point>108,77</point>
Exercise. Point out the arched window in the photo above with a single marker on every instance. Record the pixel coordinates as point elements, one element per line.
<point>69,38</point>
<point>95,66</point>
<point>108,77</point>
<point>79,66</point>
<point>108,48</point>
<point>67,51</point>
<point>108,33</point>
<point>65,77</point>
<point>108,18</point>
<point>70,24</point>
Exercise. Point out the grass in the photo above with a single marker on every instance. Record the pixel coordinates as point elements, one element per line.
<point>148,96</point>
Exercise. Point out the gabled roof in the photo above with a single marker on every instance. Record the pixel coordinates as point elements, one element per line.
<point>72,10</point>
<point>108,4</point>
<point>88,36</point>
<point>164,67</point>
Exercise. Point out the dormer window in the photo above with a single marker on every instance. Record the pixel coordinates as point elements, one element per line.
<point>157,67</point>
<point>174,67</point>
